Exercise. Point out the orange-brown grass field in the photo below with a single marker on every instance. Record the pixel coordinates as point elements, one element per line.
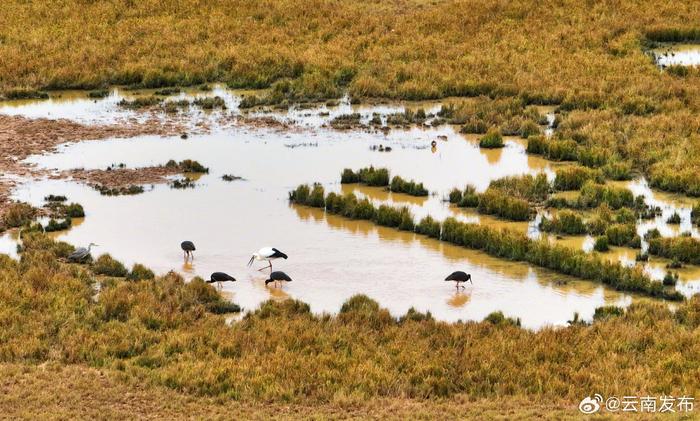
<point>586,57</point>
<point>85,345</point>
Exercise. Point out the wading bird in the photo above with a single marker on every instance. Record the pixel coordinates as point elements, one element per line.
<point>278,276</point>
<point>458,277</point>
<point>188,248</point>
<point>267,254</point>
<point>220,277</point>
<point>80,254</point>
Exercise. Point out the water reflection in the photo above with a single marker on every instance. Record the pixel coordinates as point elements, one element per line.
<point>331,258</point>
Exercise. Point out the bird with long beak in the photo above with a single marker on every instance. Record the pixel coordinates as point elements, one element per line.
<point>459,277</point>
<point>220,277</point>
<point>267,254</point>
<point>278,276</point>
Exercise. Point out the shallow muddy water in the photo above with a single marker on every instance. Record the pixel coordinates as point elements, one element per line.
<point>678,54</point>
<point>331,258</point>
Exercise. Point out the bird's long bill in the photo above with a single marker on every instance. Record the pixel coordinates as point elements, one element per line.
<point>250,262</point>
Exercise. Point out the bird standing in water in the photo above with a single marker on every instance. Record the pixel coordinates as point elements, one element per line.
<point>267,254</point>
<point>458,277</point>
<point>278,276</point>
<point>188,248</point>
<point>220,277</point>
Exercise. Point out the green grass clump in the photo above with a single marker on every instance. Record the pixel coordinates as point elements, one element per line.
<point>491,140</point>
<point>376,177</point>
<point>74,210</point>
<point>21,93</point>
<point>684,249</point>
<point>607,312</point>
<point>537,145</point>
<point>118,191</point>
<point>499,319</point>
<point>349,176</point>
<point>564,222</point>
<point>618,171</point>
<point>139,103</point>
<point>528,187</point>
<point>529,128</point>
<point>399,185</point>
<point>562,150</point>
<point>573,178</point>
<point>183,183</point>
<point>429,227</point>
<point>346,121</point>
<point>140,272</point>
<point>674,219</point>
<point>316,197</point>
<point>470,198</point>
<point>455,196</point>
<point>54,225</point>
<point>98,93</point>
<point>300,194</point>
<point>108,266</point>
<point>388,216</point>
<point>188,165</point>
<point>670,280</point>
<point>622,235</point>
<point>499,203</point>
<point>210,103</point>
<point>593,195</point>
<point>467,198</point>
<point>695,214</point>
<point>55,198</point>
<point>167,91</point>
<point>601,244</point>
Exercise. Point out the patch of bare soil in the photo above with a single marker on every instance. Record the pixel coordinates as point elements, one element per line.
<point>122,177</point>
<point>21,137</point>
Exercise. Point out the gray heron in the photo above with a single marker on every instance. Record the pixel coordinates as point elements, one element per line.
<point>458,277</point>
<point>267,254</point>
<point>81,253</point>
<point>278,276</point>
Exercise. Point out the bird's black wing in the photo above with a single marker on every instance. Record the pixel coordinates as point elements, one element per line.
<point>280,276</point>
<point>278,254</point>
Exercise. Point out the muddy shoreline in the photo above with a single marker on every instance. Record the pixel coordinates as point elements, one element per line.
<point>21,137</point>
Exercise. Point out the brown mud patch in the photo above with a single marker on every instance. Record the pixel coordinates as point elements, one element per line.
<point>21,137</point>
<point>122,177</point>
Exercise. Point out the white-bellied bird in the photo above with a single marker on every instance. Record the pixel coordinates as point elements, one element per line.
<point>458,277</point>
<point>81,254</point>
<point>278,276</point>
<point>188,248</point>
<point>220,277</point>
<point>267,254</point>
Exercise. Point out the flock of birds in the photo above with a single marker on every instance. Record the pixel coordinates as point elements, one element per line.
<point>266,254</point>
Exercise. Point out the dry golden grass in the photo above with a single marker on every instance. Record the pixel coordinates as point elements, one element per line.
<point>587,56</point>
<point>53,391</point>
<point>164,333</point>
